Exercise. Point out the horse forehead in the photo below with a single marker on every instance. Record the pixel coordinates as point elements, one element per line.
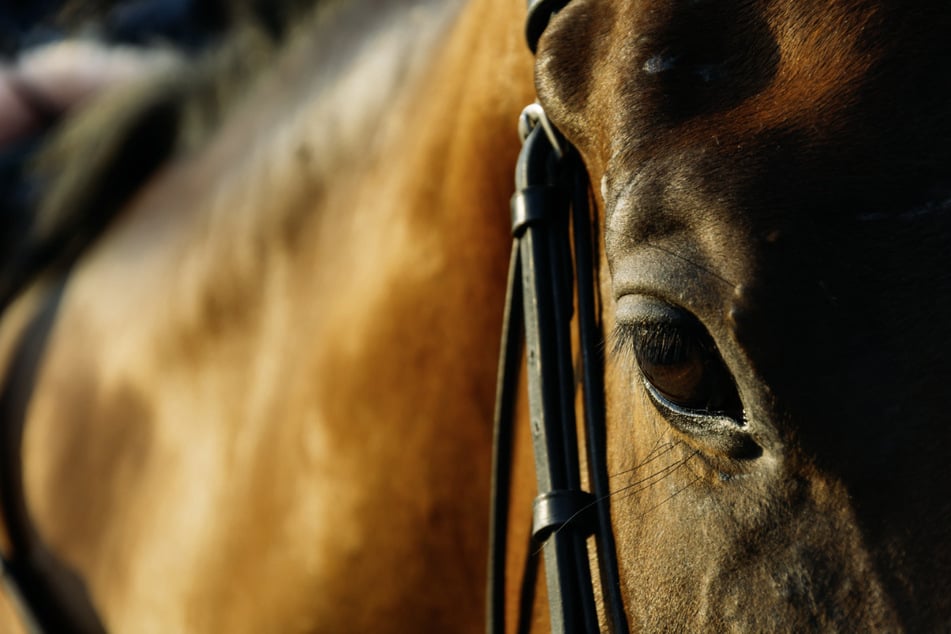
<point>616,74</point>
<point>744,67</point>
<point>738,100</point>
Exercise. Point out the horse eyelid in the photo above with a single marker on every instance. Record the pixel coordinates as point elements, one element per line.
<point>658,341</point>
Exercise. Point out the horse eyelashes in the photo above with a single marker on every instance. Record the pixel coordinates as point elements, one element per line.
<point>665,344</point>
<point>662,343</point>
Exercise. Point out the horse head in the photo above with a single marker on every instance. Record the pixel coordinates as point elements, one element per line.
<point>774,197</point>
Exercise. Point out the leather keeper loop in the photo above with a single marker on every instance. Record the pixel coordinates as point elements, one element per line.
<point>554,509</point>
<point>536,203</point>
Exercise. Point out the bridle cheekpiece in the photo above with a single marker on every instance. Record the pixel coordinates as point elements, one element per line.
<point>550,215</point>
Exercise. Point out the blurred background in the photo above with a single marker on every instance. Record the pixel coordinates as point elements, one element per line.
<point>56,54</point>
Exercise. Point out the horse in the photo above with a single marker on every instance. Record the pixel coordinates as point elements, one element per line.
<point>263,400</point>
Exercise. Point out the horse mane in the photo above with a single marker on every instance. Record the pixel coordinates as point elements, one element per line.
<point>98,158</point>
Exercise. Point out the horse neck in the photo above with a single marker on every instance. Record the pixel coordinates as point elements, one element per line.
<point>337,258</point>
<point>367,233</point>
<point>409,252</point>
<point>386,131</point>
<point>403,136</point>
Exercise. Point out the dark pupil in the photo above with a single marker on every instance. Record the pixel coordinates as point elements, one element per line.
<point>673,361</point>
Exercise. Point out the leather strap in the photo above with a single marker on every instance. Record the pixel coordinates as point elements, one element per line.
<point>549,174</point>
<point>539,13</point>
<point>31,575</point>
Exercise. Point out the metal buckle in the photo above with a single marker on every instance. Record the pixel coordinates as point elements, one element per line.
<point>534,115</point>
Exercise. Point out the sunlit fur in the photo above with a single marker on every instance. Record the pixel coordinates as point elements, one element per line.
<point>249,418</point>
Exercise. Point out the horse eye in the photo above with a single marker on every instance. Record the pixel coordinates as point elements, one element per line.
<point>678,359</point>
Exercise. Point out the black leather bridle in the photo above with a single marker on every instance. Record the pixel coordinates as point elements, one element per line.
<point>550,214</point>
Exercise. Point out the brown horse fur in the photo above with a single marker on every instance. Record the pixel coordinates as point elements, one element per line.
<point>283,439</point>
<point>265,402</point>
